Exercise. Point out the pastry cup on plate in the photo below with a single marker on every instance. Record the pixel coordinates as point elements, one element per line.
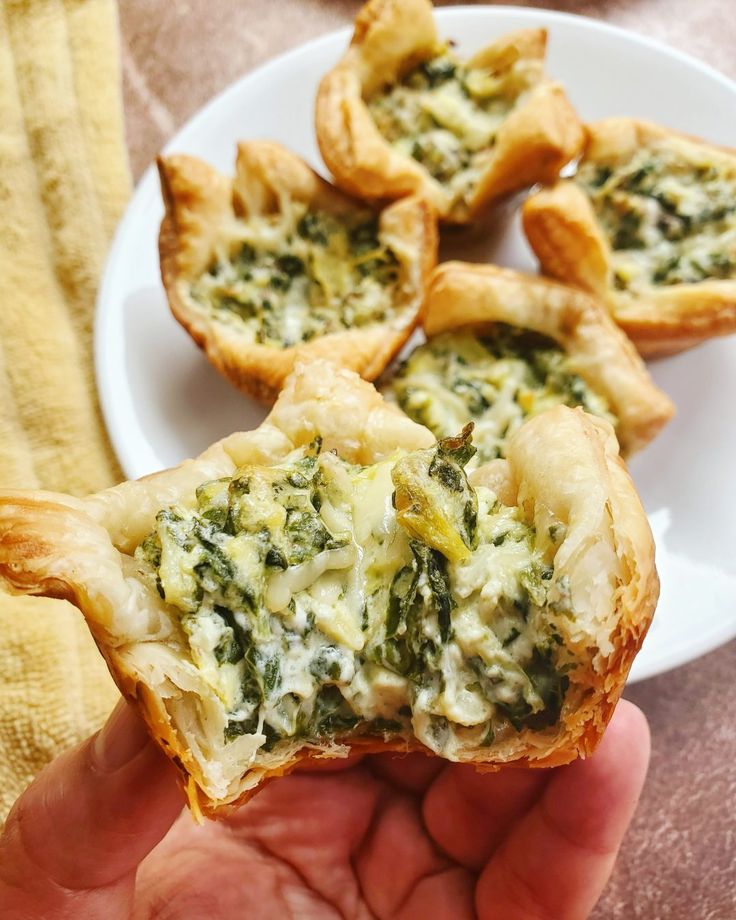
<point>331,581</point>
<point>649,225</point>
<point>401,114</point>
<point>503,346</point>
<point>276,265</point>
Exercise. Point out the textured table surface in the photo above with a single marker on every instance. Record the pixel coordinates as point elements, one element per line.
<point>678,861</point>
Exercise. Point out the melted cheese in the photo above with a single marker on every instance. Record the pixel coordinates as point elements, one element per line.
<point>498,382</point>
<point>376,692</point>
<point>284,585</point>
<point>313,610</point>
<point>669,215</point>
<point>446,116</point>
<point>206,632</point>
<point>283,279</point>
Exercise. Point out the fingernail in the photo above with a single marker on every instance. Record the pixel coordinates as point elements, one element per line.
<point>122,737</point>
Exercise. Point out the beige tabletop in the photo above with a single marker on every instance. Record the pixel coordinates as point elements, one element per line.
<point>679,858</point>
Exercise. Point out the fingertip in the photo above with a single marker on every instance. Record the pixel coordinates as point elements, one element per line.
<point>629,728</point>
<point>621,760</point>
<point>119,793</point>
<point>123,735</point>
<point>557,860</point>
<point>141,780</point>
<point>593,800</point>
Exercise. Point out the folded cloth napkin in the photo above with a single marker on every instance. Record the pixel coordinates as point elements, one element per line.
<point>64,180</point>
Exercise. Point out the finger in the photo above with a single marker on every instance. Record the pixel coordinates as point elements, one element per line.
<point>557,860</point>
<point>408,772</point>
<point>468,813</point>
<point>86,822</point>
<point>402,874</point>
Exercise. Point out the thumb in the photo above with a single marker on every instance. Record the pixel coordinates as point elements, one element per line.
<point>73,840</point>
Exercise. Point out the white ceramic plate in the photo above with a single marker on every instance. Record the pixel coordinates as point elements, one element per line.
<point>163,402</point>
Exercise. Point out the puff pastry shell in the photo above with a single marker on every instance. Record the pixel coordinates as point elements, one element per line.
<point>203,213</point>
<point>571,244</point>
<point>563,463</point>
<point>538,137</point>
<point>463,294</point>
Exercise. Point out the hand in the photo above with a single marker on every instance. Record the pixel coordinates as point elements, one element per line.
<point>394,837</point>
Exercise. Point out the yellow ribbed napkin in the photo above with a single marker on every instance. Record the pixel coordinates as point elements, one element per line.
<point>64,180</point>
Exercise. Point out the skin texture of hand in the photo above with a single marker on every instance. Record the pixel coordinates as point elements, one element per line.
<point>386,837</point>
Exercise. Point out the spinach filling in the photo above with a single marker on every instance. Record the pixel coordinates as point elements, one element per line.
<point>324,275</point>
<point>669,220</point>
<point>321,598</point>
<point>498,380</point>
<point>446,115</point>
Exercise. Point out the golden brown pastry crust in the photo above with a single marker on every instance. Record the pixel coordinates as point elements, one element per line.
<point>566,237</point>
<point>463,294</point>
<point>201,207</point>
<point>79,549</point>
<point>540,135</point>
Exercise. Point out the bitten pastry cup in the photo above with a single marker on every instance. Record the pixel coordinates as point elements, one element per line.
<point>572,245</point>
<point>540,134</point>
<point>205,215</point>
<point>469,295</point>
<point>561,466</point>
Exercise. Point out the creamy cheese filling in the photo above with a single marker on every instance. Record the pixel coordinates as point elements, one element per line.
<point>496,380</point>
<point>670,216</point>
<point>321,598</point>
<point>284,279</point>
<point>446,116</point>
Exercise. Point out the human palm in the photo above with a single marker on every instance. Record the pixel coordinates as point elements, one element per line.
<point>388,836</point>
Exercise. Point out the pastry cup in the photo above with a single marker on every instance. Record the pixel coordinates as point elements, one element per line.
<point>207,216</point>
<point>573,245</point>
<point>539,135</point>
<point>562,467</point>
<point>463,295</point>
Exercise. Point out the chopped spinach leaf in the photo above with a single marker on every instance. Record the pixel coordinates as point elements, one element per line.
<point>401,597</point>
<point>330,716</point>
<point>327,665</point>
<point>627,232</point>
<point>438,70</point>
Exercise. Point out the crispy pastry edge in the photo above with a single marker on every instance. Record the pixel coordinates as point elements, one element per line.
<point>464,294</point>
<point>566,238</point>
<point>27,519</point>
<point>533,144</point>
<point>260,370</point>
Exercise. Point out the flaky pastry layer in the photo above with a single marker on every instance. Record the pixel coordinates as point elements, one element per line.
<point>562,465</point>
<point>463,294</point>
<point>571,245</point>
<point>540,134</point>
<point>205,212</point>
